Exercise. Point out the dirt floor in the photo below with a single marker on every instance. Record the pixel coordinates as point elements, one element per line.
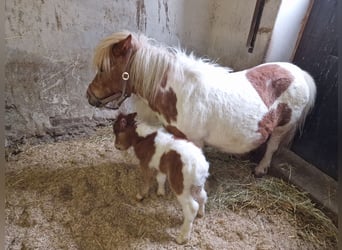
<point>80,194</point>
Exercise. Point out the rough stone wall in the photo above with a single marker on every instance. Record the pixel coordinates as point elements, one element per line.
<point>50,46</point>
<point>49,52</point>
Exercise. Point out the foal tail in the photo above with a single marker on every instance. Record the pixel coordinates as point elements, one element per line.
<point>312,97</point>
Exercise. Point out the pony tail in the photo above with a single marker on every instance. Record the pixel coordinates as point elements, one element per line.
<point>312,97</point>
<point>287,138</point>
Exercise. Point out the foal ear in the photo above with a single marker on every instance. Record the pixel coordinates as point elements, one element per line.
<point>131,117</point>
<point>123,123</point>
<point>122,47</point>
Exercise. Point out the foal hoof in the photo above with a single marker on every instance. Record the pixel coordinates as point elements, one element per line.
<point>161,193</point>
<point>139,197</point>
<point>200,213</point>
<point>181,240</point>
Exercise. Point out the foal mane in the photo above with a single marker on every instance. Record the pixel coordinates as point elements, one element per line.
<point>149,65</point>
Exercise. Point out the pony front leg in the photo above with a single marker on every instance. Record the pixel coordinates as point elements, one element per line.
<point>147,176</point>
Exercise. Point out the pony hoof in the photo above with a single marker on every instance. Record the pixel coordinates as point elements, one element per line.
<point>259,174</point>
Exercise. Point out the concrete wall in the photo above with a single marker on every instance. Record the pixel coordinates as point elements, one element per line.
<point>230,28</point>
<point>50,45</point>
<point>287,30</point>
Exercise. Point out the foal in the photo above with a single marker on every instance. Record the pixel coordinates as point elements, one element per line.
<point>178,160</point>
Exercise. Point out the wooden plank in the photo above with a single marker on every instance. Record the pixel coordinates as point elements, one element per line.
<point>317,54</point>
<point>259,7</point>
<point>230,23</point>
<point>321,187</point>
<point>302,28</point>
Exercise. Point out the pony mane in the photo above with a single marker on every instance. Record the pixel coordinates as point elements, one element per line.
<point>148,65</point>
<point>103,51</point>
<point>151,64</point>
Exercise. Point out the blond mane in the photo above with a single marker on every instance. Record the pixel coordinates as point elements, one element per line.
<point>148,65</point>
<point>152,64</point>
<point>103,51</point>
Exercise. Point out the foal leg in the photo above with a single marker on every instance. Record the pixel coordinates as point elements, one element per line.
<point>200,195</point>
<point>147,176</point>
<point>161,178</point>
<point>202,199</point>
<point>190,208</point>
<point>271,147</point>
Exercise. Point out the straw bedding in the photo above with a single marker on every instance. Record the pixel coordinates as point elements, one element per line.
<point>80,194</point>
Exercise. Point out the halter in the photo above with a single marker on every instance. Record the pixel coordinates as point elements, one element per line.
<point>117,98</point>
<point>114,101</point>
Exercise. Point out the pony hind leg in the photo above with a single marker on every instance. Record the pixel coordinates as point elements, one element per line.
<point>277,137</point>
<point>190,208</point>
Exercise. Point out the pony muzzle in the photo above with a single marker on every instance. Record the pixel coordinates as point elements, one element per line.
<point>92,99</point>
<point>111,102</point>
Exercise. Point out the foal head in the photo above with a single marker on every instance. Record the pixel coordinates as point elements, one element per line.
<point>111,82</point>
<point>124,130</point>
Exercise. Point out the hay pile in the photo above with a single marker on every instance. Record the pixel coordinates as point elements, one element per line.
<point>271,195</point>
<point>80,195</point>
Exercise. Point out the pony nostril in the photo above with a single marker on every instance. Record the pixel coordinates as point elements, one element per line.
<point>97,104</point>
<point>93,102</point>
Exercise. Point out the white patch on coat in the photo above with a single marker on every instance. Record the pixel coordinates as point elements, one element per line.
<point>195,166</point>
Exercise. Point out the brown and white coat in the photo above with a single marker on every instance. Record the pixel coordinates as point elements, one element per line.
<point>202,101</point>
<point>178,160</point>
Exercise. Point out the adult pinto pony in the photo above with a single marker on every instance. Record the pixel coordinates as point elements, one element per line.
<point>201,101</point>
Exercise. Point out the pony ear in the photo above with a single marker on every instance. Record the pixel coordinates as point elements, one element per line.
<point>122,47</point>
<point>123,123</point>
